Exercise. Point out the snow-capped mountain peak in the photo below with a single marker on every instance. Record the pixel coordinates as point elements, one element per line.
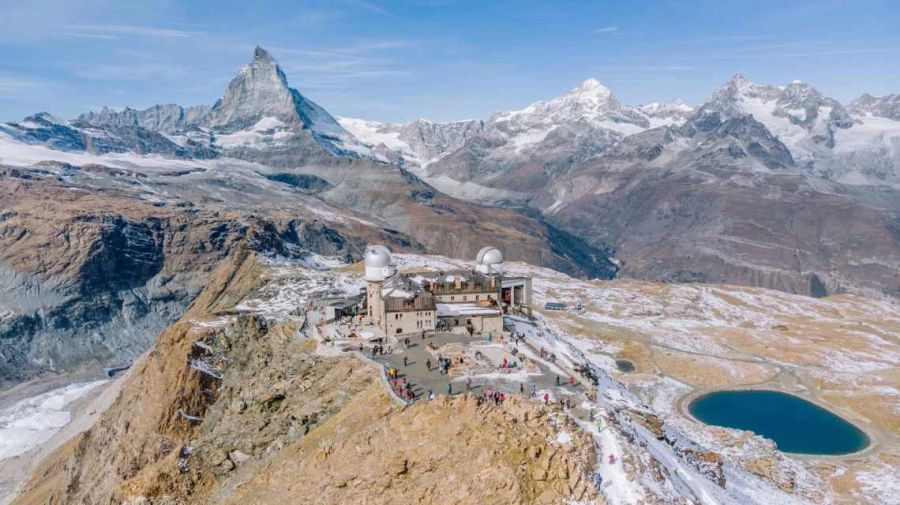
<point>259,90</point>
<point>887,106</point>
<point>589,100</point>
<point>673,112</point>
<point>260,94</point>
<point>739,89</point>
<point>594,93</point>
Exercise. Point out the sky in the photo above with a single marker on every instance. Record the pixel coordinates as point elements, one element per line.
<point>438,59</point>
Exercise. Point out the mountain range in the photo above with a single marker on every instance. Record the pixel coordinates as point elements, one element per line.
<point>773,186</point>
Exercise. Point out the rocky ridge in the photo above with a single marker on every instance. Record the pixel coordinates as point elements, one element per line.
<point>237,409</point>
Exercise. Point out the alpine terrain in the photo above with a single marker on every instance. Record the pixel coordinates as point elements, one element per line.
<point>255,301</point>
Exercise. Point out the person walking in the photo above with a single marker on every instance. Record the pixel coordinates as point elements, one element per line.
<point>428,364</point>
<point>557,380</point>
<point>449,388</point>
<point>522,388</point>
<point>405,360</point>
<point>468,384</point>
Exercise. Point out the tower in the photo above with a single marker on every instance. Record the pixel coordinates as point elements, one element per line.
<point>379,267</point>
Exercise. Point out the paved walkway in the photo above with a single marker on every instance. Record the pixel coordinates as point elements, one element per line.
<point>487,375</point>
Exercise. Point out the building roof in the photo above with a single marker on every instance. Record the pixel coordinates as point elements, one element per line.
<point>419,302</point>
<point>465,309</point>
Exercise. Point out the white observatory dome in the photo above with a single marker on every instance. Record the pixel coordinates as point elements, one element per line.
<point>377,256</point>
<point>489,260</point>
<point>492,256</point>
<point>379,264</point>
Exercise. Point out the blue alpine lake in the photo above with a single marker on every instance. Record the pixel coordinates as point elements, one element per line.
<point>796,425</point>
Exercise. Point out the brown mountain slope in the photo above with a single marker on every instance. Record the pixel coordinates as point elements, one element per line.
<point>91,274</point>
<point>177,435</point>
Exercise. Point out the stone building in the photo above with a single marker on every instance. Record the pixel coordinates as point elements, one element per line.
<point>467,300</point>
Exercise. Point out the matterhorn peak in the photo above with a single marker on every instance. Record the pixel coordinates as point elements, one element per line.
<point>261,54</point>
<point>259,90</point>
<point>260,94</point>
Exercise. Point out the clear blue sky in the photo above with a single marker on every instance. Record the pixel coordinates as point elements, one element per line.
<point>439,59</point>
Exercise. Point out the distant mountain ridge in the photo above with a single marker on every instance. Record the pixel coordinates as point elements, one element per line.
<point>109,222</point>
<point>564,161</point>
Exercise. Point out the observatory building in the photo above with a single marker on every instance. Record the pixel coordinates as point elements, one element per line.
<point>468,300</point>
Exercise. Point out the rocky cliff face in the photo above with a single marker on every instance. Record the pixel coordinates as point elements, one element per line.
<point>259,99</point>
<point>90,277</point>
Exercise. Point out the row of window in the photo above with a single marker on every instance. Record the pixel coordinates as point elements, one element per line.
<point>465,298</point>
<point>399,315</point>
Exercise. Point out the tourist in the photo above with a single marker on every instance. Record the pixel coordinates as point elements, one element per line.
<point>405,359</point>
<point>449,388</point>
<point>428,364</point>
<point>522,388</point>
<point>468,384</point>
<point>430,395</point>
<point>546,398</point>
<point>557,380</point>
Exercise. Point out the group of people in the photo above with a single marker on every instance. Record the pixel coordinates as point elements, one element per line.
<point>378,349</point>
<point>443,364</point>
<point>402,387</point>
<point>570,380</point>
<point>497,397</point>
<point>547,354</point>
